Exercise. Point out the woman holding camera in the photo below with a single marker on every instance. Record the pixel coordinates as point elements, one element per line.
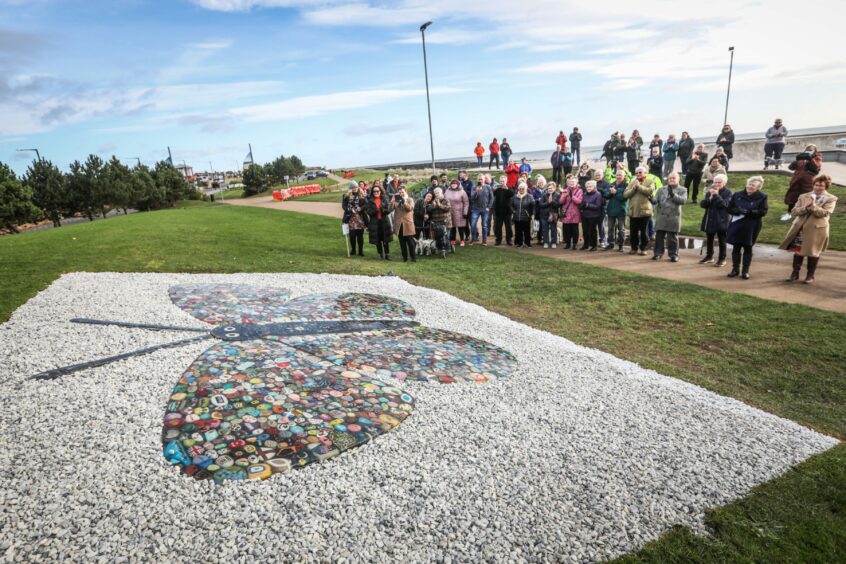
<point>805,167</point>
<point>403,206</point>
<point>808,236</point>
<point>747,208</point>
<point>378,208</point>
<point>353,204</point>
<point>715,222</point>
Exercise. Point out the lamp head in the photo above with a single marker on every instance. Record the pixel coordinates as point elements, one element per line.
<point>731,48</point>
<point>425,25</point>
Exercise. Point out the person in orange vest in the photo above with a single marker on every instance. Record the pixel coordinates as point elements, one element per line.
<point>494,149</point>
<point>480,153</point>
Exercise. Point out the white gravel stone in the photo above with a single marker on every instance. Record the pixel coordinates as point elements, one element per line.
<point>578,456</point>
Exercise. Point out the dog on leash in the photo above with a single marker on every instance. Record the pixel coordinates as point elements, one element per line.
<point>426,247</point>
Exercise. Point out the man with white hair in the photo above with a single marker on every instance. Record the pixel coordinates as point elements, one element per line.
<point>715,222</point>
<point>616,210</point>
<point>668,210</point>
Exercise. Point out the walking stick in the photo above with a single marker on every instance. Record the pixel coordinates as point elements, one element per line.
<point>345,232</point>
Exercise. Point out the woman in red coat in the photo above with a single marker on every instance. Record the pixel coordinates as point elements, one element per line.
<point>805,167</point>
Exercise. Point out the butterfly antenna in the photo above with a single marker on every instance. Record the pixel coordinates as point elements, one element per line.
<point>56,372</point>
<point>151,326</point>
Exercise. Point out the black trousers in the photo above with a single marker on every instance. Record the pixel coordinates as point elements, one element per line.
<point>590,228</point>
<point>500,221</point>
<point>494,157</point>
<point>570,232</point>
<point>556,175</point>
<point>709,244</point>
<point>522,233</point>
<point>382,244</point>
<point>693,178</point>
<point>637,227</point>
<point>746,252</point>
<point>633,164</point>
<point>577,155</point>
<point>773,151</point>
<point>357,237</point>
<point>407,245</point>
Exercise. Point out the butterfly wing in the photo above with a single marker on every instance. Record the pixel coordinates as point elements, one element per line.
<point>229,303</point>
<point>419,353</point>
<point>345,306</point>
<point>250,409</point>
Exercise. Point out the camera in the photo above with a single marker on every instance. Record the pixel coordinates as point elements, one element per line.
<point>398,198</point>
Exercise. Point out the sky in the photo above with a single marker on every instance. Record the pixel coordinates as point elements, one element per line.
<point>340,83</point>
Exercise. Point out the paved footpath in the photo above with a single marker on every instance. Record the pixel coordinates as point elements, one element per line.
<point>770,266</point>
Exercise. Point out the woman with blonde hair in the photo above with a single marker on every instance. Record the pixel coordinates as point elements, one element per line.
<point>747,209</point>
<point>808,236</point>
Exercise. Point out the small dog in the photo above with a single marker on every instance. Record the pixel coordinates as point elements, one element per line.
<point>426,247</point>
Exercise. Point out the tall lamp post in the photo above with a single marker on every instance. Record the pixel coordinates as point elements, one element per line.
<point>728,91</point>
<point>37,154</point>
<point>428,104</point>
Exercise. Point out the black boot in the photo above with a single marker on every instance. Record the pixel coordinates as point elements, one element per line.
<point>797,266</point>
<point>812,269</point>
<point>747,261</point>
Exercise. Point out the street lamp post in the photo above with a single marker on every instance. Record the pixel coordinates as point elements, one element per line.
<point>428,104</point>
<point>37,154</point>
<point>728,91</point>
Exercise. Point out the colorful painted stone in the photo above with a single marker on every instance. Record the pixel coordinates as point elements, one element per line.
<point>265,402</point>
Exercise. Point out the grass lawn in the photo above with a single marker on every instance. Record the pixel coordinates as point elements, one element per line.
<point>787,359</point>
<point>334,196</point>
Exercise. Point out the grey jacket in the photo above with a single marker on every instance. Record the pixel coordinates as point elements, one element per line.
<point>668,208</point>
<point>481,200</point>
<point>773,131</point>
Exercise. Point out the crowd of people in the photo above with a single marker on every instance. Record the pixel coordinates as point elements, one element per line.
<point>595,206</point>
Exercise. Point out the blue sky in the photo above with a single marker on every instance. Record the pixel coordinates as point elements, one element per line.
<point>340,83</point>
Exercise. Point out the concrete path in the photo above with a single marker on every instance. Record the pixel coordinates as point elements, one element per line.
<point>770,266</point>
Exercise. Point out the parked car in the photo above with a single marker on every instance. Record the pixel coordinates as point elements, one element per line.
<point>840,143</point>
<point>310,175</point>
<point>322,174</point>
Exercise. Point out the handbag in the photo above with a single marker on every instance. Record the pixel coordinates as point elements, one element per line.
<point>535,226</point>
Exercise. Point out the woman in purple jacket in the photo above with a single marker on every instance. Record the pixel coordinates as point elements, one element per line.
<point>591,216</point>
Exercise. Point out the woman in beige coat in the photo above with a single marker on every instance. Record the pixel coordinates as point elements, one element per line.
<point>808,236</point>
<point>403,205</point>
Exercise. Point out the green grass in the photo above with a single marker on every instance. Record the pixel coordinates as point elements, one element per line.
<point>773,231</point>
<point>363,174</point>
<point>334,196</point>
<point>786,359</point>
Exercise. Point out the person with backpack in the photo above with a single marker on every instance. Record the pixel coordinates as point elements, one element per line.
<point>555,161</point>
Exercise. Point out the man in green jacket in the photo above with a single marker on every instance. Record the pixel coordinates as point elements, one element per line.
<point>639,195</point>
<point>617,207</point>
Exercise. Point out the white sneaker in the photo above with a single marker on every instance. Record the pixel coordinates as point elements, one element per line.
<point>554,246</point>
<point>785,217</point>
<point>545,246</point>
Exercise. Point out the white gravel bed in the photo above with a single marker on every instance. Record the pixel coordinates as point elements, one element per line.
<point>577,456</point>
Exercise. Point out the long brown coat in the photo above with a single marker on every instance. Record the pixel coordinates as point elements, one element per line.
<point>404,216</point>
<point>812,220</point>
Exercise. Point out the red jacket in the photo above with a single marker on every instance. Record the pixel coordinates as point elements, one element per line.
<point>512,175</point>
<point>479,150</point>
<point>561,140</point>
<point>494,148</point>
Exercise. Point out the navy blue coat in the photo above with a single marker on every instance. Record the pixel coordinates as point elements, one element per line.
<point>716,218</point>
<point>750,208</point>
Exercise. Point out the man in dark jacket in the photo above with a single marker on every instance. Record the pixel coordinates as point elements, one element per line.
<point>502,213</point>
<point>686,146</point>
<point>715,222</point>
<point>576,145</point>
<point>726,140</point>
<point>555,161</point>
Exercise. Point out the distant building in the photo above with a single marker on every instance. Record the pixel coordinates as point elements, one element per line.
<point>186,171</point>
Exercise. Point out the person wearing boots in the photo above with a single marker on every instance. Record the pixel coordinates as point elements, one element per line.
<point>747,208</point>
<point>354,216</point>
<point>379,230</point>
<point>808,236</point>
<point>403,206</point>
<point>715,222</point>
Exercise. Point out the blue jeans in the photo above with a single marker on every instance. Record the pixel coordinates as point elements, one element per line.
<point>550,231</point>
<point>474,220</point>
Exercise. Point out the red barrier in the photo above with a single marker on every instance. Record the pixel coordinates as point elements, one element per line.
<point>283,195</point>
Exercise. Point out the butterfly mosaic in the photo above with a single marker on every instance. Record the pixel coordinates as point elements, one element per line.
<point>296,381</point>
